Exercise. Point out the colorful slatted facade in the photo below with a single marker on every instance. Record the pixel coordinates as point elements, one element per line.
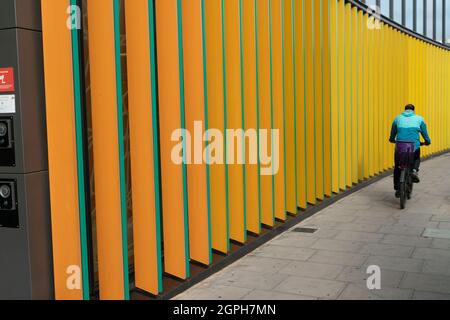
<point>326,74</point>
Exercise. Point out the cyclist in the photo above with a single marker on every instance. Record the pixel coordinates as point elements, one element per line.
<point>408,127</point>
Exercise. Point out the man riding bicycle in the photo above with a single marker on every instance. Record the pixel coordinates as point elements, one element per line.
<point>408,127</point>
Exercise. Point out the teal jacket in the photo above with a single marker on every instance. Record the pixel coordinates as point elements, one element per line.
<point>408,127</point>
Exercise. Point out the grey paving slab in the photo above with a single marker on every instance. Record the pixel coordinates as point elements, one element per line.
<point>312,270</point>
<point>215,292</point>
<point>414,241</point>
<point>436,233</point>
<point>260,264</point>
<point>421,295</point>
<point>364,229</point>
<point>294,240</point>
<point>441,244</point>
<point>379,249</point>
<point>339,258</point>
<point>321,233</point>
<point>337,245</point>
<point>319,288</point>
<point>402,230</point>
<point>441,218</point>
<point>444,225</point>
<point>251,280</point>
<point>395,263</point>
<point>359,227</point>
<point>426,282</point>
<point>432,254</point>
<point>357,292</point>
<point>272,295</point>
<point>280,252</point>
<point>438,267</point>
<point>359,236</point>
<point>359,275</point>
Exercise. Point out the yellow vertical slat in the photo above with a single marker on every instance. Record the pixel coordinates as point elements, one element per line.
<point>290,102</point>
<point>360,96</point>
<point>326,58</point>
<point>300,98</point>
<point>348,107</point>
<point>62,158</point>
<point>251,113</point>
<point>232,32</point>
<point>376,97</point>
<point>194,86</point>
<point>140,105</point>
<point>216,120</point>
<point>265,107</point>
<point>310,102</point>
<point>278,152</point>
<point>105,117</point>
<point>366,92</point>
<point>318,97</point>
<point>354,94</point>
<point>335,159</point>
<point>170,85</point>
<point>341,94</point>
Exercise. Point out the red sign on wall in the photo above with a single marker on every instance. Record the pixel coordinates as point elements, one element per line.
<point>7,80</point>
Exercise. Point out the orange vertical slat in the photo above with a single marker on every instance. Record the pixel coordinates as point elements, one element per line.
<point>106,149</point>
<point>216,120</point>
<point>147,267</point>
<point>251,113</point>
<point>278,152</point>
<point>234,116</point>
<point>61,145</point>
<point>176,259</point>
<point>194,85</point>
<point>265,108</point>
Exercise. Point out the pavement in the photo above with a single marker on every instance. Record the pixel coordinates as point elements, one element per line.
<point>411,247</point>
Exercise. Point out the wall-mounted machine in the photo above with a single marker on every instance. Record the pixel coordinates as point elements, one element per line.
<point>25,231</point>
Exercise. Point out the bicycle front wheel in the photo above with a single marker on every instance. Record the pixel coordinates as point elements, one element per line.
<point>403,195</point>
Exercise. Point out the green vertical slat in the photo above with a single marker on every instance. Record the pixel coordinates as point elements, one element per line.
<point>183,126</point>
<point>120,129</point>
<point>80,159</point>
<point>155,125</point>
<point>205,92</point>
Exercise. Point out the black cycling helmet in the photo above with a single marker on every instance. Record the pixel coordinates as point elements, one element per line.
<point>410,107</point>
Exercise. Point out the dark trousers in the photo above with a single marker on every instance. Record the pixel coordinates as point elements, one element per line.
<point>397,170</point>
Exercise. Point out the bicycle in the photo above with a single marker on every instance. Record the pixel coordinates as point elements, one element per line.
<point>405,155</point>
